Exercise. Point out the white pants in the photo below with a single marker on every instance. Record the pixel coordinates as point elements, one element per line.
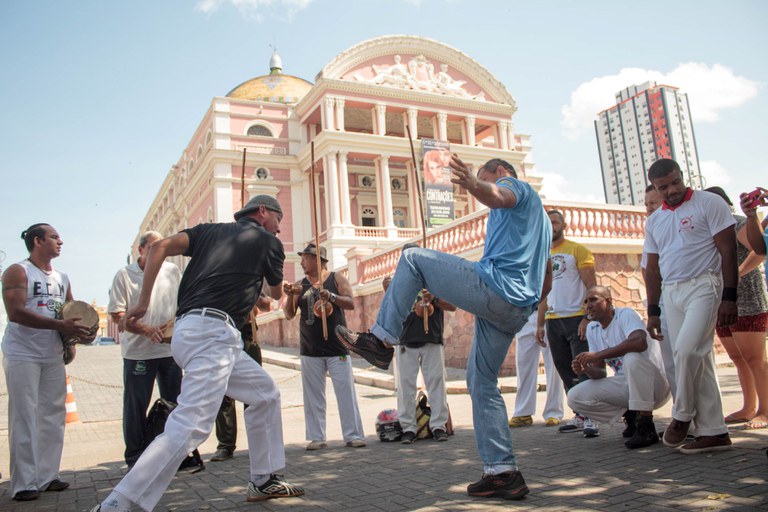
<point>313,371</point>
<point>640,387</point>
<point>667,356</point>
<point>211,353</point>
<point>691,311</point>
<point>430,358</point>
<point>527,363</point>
<point>36,416</point>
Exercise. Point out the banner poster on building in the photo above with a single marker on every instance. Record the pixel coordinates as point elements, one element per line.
<point>438,189</point>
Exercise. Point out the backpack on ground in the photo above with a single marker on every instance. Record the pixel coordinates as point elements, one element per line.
<point>156,419</point>
<point>423,414</point>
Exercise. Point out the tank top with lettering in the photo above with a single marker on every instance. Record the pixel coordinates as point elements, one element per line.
<point>46,294</point>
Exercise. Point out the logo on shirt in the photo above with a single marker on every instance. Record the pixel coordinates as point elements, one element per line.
<point>558,266</point>
<point>686,224</point>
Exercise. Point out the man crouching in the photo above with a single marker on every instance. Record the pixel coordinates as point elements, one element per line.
<point>617,338</point>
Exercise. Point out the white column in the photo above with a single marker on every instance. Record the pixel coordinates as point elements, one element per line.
<point>331,170</point>
<point>413,198</point>
<point>413,122</point>
<point>385,187</point>
<point>346,213</point>
<point>328,122</point>
<point>381,119</point>
<point>511,133</point>
<point>469,122</point>
<point>503,131</point>
<point>442,126</point>
<point>340,114</point>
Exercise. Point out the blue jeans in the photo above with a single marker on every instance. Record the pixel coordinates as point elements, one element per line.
<point>454,280</point>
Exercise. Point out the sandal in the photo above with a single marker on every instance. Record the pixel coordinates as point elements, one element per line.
<point>755,425</point>
<point>732,418</point>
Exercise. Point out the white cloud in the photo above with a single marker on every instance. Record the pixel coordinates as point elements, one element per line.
<point>715,174</point>
<point>710,89</point>
<point>557,187</point>
<point>256,9</point>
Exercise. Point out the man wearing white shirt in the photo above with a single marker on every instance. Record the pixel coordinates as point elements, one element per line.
<point>145,358</point>
<point>617,338</point>
<point>691,246</point>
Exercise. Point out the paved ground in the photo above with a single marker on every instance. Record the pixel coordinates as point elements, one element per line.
<point>564,471</point>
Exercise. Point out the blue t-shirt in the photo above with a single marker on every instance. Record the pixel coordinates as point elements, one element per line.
<point>517,246</point>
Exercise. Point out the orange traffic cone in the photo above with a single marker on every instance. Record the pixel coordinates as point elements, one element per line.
<point>72,416</point>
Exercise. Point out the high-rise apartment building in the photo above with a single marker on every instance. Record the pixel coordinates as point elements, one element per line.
<point>647,123</point>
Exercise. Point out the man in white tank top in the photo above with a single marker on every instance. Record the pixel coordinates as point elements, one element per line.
<point>34,293</point>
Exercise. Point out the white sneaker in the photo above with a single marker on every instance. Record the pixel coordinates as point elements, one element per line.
<point>576,424</point>
<point>356,443</point>
<point>591,428</point>
<point>317,445</point>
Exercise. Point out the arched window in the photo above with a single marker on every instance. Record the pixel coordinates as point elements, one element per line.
<point>258,130</point>
<point>368,216</point>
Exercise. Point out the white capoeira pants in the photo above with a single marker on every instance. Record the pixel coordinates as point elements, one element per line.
<point>313,371</point>
<point>691,311</point>
<point>640,387</point>
<point>36,416</point>
<point>430,358</point>
<point>211,353</point>
<point>527,363</point>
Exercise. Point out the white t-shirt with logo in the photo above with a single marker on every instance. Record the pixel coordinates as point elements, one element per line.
<point>46,295</point>
<point>683,236</point>
<point>625,322</point>
<point>125,292</point>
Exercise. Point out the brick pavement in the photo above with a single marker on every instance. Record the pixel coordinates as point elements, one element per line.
<point>564,471</point>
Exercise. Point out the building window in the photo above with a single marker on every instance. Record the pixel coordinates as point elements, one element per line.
<point>397,184</point>
<point>262,173</point>
<point>368,217</point>
<point>258,130</point>
<point>367,181</point>
<point>399,217</point>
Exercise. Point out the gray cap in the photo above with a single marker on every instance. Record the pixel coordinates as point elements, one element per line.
<point>269,202</point>
<point>310,249</point>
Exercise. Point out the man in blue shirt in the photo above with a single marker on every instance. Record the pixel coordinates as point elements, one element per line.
<point>501,290</point>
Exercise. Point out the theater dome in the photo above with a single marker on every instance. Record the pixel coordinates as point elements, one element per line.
<point>274,87</point>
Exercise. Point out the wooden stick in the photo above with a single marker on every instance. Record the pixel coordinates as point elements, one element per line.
<point>316,219</point>
<point>424,304</point>
<point>251,316</point>
<point>242,182</point>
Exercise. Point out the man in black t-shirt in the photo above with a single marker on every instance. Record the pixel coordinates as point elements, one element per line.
<point>320,356</point>
<point>419,349</point>
<point>219,288</point>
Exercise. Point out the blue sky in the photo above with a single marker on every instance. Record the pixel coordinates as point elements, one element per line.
<point>98,99</point>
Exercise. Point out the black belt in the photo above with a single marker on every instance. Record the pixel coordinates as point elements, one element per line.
<point>210,313</point>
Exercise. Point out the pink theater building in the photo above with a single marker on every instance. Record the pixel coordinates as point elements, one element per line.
<point>356,113</point>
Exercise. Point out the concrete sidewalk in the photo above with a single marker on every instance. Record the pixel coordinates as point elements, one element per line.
<point>564,471</point>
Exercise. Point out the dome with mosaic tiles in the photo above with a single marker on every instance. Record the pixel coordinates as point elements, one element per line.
<point>274,87</point>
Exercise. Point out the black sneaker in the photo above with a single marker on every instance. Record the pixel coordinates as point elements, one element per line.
<point>630,420</point>
<point>366,345</point>
<point>221,454</point>
<point>509,486</point>
<point>57,485</point>
<point>645,434</point>
<point>439,435</point>
<point>408,437</point>
<point>275,487</point>
<point>28,495</point>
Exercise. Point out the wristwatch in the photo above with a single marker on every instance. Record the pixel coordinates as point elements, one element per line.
<point>332,298</point>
